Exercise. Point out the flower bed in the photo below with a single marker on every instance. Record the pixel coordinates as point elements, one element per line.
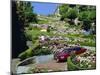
<point>83,61</point>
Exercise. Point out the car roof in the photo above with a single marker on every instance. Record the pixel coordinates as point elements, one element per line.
<point>73,48</point>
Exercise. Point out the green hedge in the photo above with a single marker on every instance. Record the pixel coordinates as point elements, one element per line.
<point>71,66</point>
<point>26,54</point>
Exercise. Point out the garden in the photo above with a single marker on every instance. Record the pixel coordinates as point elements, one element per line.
<point>41,36</point>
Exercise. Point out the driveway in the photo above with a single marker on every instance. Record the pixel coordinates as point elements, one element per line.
<point>53,66</point>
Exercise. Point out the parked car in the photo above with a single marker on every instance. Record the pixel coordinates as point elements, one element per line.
<point>65,53</point>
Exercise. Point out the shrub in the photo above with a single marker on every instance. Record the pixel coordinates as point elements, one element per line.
<point>41,51</point>
<point>86,25</point>
<point>36,50</point>
<point>87,17</point>
<point>72,13</point>
<point>26,54</point>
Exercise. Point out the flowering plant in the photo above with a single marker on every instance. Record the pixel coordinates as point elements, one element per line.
<point>86,60</point>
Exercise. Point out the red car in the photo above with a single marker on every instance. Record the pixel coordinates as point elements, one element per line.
<point>64,54</point>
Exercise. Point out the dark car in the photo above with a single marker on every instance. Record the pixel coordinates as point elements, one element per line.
<point>65,53</point>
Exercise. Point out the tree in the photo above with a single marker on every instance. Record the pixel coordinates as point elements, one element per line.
<point>68,11</point>
<point>92,16</point>
<point>22,15</point>
<point>83,8</point>
<point>87,17</point>
<point>86,14</point>
<point>63,9</point>
<point>72,14</point>
<point>25,12</point>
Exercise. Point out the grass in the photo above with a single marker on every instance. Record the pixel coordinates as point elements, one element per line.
<point>89,36</point>
<point>35,33</point>
<point>92,44</point>
<point>74,35</point>
<point>43,22</point>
